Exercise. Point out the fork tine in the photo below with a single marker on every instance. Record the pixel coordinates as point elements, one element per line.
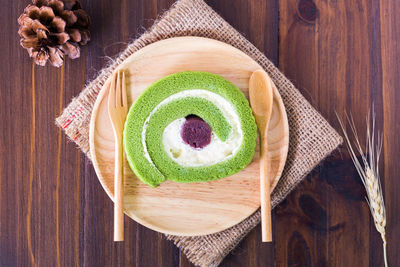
<point>111,93</point>
<point>114,89</point>
<point>124,96</point>
<point>118,96</point>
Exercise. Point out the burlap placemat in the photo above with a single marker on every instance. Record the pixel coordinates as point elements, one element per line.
<point>311,137</point>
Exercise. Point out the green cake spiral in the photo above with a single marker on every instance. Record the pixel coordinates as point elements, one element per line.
<point>217,101</point>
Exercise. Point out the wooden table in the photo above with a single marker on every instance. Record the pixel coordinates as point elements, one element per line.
<point>342,55</point>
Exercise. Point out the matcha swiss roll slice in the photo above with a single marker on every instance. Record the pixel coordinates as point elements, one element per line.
<point>189,127</point>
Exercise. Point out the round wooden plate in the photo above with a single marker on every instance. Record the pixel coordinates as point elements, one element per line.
<point>196,208</point>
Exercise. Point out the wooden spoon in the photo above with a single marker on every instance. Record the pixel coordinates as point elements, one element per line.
<point>261,99</point>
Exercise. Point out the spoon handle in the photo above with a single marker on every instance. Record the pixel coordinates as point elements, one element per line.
<point>265,194</point>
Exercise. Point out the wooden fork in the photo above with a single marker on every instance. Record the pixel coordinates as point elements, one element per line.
<point>117,110</point>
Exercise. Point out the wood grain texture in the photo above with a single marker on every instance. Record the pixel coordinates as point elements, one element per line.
<point>216,205</point>
<point>340,54</point>
<point>331,50</point>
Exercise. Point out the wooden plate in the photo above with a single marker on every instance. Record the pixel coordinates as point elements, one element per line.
<point>196,208</point>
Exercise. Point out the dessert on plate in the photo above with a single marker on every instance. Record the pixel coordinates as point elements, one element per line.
<point>189,127</point>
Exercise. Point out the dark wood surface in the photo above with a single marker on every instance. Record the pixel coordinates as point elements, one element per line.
<point>342,55</point>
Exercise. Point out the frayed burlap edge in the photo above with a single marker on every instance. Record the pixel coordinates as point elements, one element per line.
<point>311,137</point>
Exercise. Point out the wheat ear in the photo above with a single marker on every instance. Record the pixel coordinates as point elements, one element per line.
<point>368,169</point>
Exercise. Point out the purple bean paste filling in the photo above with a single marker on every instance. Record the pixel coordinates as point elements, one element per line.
<point>196,132</point>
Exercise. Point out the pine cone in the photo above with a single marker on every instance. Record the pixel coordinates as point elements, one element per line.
<point>50,29</point>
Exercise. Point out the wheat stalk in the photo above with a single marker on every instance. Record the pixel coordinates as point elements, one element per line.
<point>368,169</point>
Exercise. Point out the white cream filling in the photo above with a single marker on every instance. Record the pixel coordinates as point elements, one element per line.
<point>184,154</point>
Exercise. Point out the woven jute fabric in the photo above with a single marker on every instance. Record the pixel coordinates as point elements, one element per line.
<point>311,137</point>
